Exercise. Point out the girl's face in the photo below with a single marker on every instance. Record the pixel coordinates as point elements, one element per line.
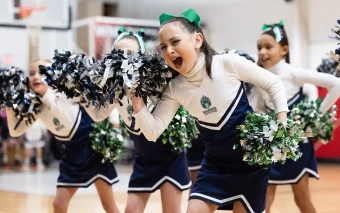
<point>127,43</point>
<point>35,78</point>
<point>269,51</point>
<point>180,49</point>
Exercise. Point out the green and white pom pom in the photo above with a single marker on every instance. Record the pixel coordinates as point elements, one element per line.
<point>308,114</point>
<point>181,131</point>
<point>321,126</point>
<point>265,140</point>
<point>106,141</point>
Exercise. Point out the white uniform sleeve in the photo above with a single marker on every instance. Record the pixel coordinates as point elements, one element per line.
<point>324,80</point>
<point>54,100</point>
<point>114,117</point>
<point>12,120</point>
<point>311,91</point>
<point>99,114</point>
<point>247,71</point>
<point>58,105</point>
<point>153,125</point>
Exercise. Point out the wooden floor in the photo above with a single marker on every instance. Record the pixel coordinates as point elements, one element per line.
<point>325,195</point>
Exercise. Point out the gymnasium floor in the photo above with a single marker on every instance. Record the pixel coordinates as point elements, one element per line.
<point>33,192</point>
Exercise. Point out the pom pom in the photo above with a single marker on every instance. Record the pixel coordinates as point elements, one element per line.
<point>26,106</point>
<point>145,75</point>
<point>265,140</point>
<point>106,141</point>
<point>329,65</point>
<point>336,54</point>
<point>181,131</point>
<point>75,76</point>
<point>121,73</point>
<point>16,94</point>
<point>307,113</point>
<point>336,31</point>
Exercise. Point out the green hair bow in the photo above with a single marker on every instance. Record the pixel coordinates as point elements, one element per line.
<point>277,29</point>
<point>190,15</point>
<point>266,27</point>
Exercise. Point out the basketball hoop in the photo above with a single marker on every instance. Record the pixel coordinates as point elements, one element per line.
<point>25,12</point>
<point>33,26</point>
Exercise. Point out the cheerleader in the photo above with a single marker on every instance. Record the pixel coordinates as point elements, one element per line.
<point>71,125</point>
<point>210,87</point>
<point>156,166</point>
<point>273,52</point>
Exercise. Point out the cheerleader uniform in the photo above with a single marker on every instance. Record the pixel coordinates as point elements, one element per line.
<point>70,124</point>
<point>195,154</point>
<point>294,80</point>
<point>219,105</point>
<point>155,163</point>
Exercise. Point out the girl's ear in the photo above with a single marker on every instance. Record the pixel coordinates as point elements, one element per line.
<point>284,50</point>
<point>198,39</point>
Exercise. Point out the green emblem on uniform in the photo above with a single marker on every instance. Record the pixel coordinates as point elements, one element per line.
<point>56,121</point>
<point>205,102</point>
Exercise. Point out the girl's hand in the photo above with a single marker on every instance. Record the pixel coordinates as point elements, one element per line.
<point>282,116</point>
<point>137,103</point>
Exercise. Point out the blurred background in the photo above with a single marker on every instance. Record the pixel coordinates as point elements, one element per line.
<point>31,29</point>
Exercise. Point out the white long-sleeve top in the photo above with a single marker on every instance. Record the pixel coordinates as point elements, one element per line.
<point>295,78</point>
<point>311,91</point>
<point>60,115</point>
<point>211,101</point>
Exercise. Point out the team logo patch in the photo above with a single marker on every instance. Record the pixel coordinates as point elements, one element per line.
<point>57,124</point>
<point>206,104</point>
<point>56,121</point>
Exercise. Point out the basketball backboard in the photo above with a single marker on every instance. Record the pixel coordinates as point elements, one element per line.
<point>55,15</point>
